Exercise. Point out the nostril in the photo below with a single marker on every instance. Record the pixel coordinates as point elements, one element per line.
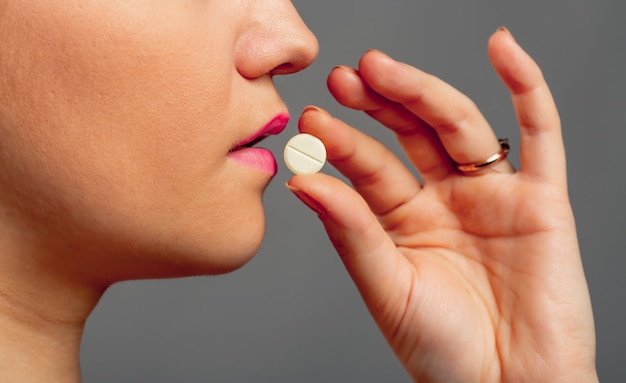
<point>284,68</point>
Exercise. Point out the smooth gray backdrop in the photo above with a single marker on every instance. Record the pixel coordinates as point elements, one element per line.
<point>292,314</point>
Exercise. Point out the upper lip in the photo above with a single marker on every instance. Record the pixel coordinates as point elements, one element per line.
<point>274,126</point>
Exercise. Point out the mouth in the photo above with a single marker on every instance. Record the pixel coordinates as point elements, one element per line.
<point>249,144</point>
<point>273,127</point>
<point>249,156</point>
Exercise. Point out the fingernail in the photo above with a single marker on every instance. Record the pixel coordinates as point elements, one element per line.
<point>344,67</point>
<point>380,53</point>
<point>346,70</point>
<point>311,108</point>
<point>307,200</point>
<point>505,29</point>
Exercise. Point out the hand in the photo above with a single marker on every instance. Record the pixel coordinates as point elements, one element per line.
<point>471,278</point>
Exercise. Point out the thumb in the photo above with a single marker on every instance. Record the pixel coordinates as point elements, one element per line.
<point>368,253</point>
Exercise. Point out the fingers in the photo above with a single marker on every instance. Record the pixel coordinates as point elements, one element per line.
<point>370,257</point>
<point>376,173</point>
<point>459,125</point>
<point>439,126</point>
<point>419,140</point>
<point>542,152</point>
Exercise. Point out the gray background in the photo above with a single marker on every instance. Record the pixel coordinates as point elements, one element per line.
<point>292,314</point>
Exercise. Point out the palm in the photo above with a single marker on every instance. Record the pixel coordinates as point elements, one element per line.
<point>471,278</point>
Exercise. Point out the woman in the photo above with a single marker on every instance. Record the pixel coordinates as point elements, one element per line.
<point>127,133</point>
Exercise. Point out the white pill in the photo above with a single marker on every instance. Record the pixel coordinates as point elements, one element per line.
<point>304,154</point>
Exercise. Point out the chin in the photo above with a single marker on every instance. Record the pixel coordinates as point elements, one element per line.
<point>235,257</point>
<point>195,248</point>
<point>202,254</point>
<point>181,260</point>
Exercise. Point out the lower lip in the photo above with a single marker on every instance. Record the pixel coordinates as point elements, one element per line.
<point>258,158</point>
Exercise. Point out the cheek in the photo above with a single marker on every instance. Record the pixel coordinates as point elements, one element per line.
<point>120,108</point>
<point>124,132</point>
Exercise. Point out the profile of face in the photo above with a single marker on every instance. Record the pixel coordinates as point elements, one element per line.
<point>122,124</point>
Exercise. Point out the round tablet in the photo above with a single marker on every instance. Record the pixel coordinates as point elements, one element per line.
<point>305,154</point>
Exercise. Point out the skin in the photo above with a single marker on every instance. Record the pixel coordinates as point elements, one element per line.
<point>470,277</point>
<point>116,118</point>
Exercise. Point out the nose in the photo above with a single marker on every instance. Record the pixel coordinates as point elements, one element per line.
<point>274,40</point>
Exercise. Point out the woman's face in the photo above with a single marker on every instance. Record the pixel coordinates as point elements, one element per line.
<point>120,122</point>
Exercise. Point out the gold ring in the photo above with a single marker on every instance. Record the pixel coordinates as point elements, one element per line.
<point>491,160</point>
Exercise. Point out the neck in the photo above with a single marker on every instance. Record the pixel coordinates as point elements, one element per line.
<point>42,317</point>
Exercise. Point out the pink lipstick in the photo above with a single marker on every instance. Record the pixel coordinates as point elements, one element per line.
<point>259,158</point>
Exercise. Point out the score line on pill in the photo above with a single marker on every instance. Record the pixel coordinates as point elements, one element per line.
<point>304,154</point>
